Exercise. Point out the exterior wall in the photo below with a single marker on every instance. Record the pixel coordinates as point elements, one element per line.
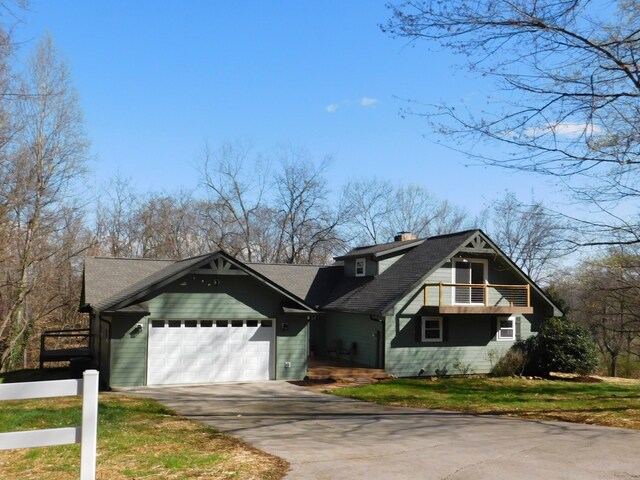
<point>469,339</point>
<point>292,347</point>
<point>387,262</point>
<point>352,328</point>
<point>498,273</point>
<point>470,342</point>
<point>224,297</point>
<point>128,365</point>
<point>370,267</point>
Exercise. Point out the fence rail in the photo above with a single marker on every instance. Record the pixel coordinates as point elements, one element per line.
<point>85,435</point>
<point>481,294</point>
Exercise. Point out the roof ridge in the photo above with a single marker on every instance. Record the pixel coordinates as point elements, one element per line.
<point>387,243</point>
<point>461,232</point>
<point>283,264</point>
<point>103,257</point>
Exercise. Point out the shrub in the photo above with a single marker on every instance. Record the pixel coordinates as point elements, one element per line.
<point>561,346</point>
<point>512,363</point>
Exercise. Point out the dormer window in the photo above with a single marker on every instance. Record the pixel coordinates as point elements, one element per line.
<point>360,267</point>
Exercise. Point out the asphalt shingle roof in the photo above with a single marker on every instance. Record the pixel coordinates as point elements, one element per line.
<point>310,283</point>
<point>379,293</point>
<point>148,282</point>
<point>111,282</point>
<point>106,276</point>
<point>380,248</point>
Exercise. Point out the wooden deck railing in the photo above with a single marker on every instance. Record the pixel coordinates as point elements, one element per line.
<point>73,343</point>
<point>479,294</point>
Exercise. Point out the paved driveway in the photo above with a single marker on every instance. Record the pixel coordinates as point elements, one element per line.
<point>327,437</point>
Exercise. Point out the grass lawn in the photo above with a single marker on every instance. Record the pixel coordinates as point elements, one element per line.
<point>604,403</point>
<point>137,439</point>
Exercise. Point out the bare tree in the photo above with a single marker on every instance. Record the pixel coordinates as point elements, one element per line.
<point>415,209</point>
<point>39,173</point>
<point>570,78</point>
<point>378,211</point>
<point>308,226</point>
<point>369,205</point>
<point>116,228</point>
<point>236,188</point>
<point>528,234</point>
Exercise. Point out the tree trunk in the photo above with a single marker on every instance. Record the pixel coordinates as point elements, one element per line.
<point>614,366</point>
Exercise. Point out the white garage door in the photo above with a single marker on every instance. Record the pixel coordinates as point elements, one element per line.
<point>204,351</point>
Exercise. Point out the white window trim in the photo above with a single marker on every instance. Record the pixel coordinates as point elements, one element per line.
<point>363,262</point>
<point>485,270</point>
<point>424,319</point>
<point>499,337</point>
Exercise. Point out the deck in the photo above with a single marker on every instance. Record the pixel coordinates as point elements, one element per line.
<point>66,345</point>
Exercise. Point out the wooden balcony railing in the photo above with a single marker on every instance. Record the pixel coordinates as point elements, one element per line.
<point>69,344</point>
<point>478,298</point>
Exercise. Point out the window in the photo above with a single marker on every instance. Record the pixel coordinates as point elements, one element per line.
<point>431,329</point>
<point>472,271</point>
<point>174,323</point>
<point>236,323</point>
<point>360,267</point>
<point>206,323</point>
<point>506,328</point>
<point>252,323</point>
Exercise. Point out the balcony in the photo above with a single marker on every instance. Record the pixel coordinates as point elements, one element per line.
<point>457,298</point>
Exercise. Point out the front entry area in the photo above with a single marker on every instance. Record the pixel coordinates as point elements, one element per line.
<point>209,351</point>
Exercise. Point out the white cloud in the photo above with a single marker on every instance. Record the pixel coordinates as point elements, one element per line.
<point>564,129</point>
<point>368,102</point>
<point>332,107</point>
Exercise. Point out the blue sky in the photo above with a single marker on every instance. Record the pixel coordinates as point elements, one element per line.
<point>158,79</point>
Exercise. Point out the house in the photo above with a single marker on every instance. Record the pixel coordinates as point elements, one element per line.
<point>447,303</point>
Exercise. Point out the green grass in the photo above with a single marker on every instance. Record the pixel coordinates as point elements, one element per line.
<point>137,438</point>
<point>611,404</point>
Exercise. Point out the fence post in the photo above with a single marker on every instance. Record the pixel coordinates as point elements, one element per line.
<point>88,443</point>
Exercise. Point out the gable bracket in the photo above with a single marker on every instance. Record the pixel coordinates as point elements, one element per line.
<point>489,251</point>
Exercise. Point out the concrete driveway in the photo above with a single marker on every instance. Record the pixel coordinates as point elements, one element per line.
<point>327,437</point>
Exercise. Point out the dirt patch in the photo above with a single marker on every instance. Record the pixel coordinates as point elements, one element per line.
<point>572,377</point>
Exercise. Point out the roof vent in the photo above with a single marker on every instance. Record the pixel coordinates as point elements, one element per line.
<point>404,236</point>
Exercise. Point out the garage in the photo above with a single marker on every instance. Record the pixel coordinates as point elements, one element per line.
<point>204,351</point>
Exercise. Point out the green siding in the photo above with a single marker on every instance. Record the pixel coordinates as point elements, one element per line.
<point>370,267</point>
<point>292,346</point>
<point>387,262</point>
<point>470,339</point>
<point>128,366</point>
<point>199,297</point>
<point>209,297</point>
<point>352,328</point>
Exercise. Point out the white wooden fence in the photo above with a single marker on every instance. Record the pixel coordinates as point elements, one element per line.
<point>86,435</point>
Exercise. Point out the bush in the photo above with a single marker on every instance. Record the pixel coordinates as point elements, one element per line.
<point>561,346</point>
<point>512,363</point>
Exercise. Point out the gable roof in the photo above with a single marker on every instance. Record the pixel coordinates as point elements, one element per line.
<point>103,277</point>
<point>377,294</point>
<point>134,292</point>
<point>113,284</point>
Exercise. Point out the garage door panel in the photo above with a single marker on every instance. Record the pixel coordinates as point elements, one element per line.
<point>190,351</point>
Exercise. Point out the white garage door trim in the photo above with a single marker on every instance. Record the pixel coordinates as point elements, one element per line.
<point>208,351</point>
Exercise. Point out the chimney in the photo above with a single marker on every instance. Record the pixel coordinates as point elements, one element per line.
<point>404,236</point>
